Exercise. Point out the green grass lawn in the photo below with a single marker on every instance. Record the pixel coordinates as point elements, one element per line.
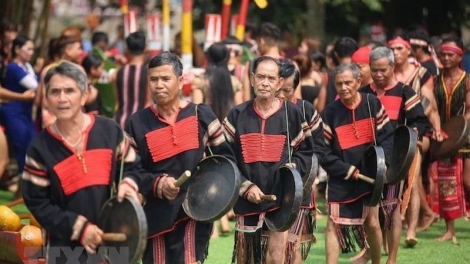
<point>426,251</point>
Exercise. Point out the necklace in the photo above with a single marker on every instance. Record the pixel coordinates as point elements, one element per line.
<point>65,140</point>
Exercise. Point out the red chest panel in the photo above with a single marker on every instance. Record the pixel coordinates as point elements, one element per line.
<point>92,167</point>
<point>392,106</point>
<point>169,141</point>
<point>355,134</point>
<point>261,147</point>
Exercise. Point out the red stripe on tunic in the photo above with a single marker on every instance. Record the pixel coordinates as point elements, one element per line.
<point>355,134</point>
<point>392,105</point>
<point>169,141</point>
<point>93,169</point>
<point>36,172</point>
<point>261,147</point>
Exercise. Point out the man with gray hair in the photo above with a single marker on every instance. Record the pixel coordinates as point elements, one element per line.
<point>349,128</point>
<point>403,107</point>
<point>71,167</point>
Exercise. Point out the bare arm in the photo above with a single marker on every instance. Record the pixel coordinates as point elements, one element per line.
<point>321,99</point>
<point>198,55</point>
<point>427,90</point>
<point>6,94</point>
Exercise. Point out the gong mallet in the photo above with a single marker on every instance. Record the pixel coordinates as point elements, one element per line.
<point>269,197</point>
<point>365,178</point>
<point>183,178</point>
<point>15,202</point>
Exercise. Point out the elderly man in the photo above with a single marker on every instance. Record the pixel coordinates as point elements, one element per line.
<point>71,167</point>
<point>300,237</point>
<point>265,133</point>
<point>352,124</point>
<point>403,106</point>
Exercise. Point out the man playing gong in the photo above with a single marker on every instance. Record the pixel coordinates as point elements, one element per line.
<point>300,236</point>
<point>172,136</point>
<point>352,125</point>
<point>71,167</point>
<point>266,133</point>
<point>403,107</point>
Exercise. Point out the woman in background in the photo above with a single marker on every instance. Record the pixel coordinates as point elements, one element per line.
<point>17,115</point>
<point>219,89</point>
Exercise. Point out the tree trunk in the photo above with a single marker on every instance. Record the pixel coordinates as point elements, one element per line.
<point>316,19</point>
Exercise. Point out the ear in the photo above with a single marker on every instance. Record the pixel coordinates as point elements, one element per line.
<point>280,83</point>
<point>85,95</point>
<point>180,82</point>
<point>252,79</point>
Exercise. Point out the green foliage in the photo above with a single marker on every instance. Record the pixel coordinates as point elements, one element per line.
<point>373,5</point>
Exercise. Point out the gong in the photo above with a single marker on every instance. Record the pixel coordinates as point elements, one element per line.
<point>405,141</point>
<point>374,173</point>
<point>290,196</point>
<point>457,129</point>
<point>125,227</point>
<point>213,190</point>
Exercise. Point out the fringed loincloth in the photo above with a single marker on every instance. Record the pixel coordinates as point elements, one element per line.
<point>349,220</point>
<point>247,247</point>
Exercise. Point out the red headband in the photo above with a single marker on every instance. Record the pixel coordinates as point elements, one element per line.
<point>399,40</point>
<point>361,55</point>
<point>451,48</point>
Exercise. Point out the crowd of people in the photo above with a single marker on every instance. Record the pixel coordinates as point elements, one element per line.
<point>73,118</point>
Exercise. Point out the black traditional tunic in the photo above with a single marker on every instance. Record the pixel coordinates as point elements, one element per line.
<point>260,147</point>
<point>303,228</point>
<point>403,107</point>
<point>315,127</point>
<point>349,133</point>
<point>60,184</point>
<point>168,150</point>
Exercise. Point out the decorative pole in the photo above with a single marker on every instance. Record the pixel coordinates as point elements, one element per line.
<point>166,24</point>
<point>226,7</point>
<point>187,35</point>
<point>242,19</point>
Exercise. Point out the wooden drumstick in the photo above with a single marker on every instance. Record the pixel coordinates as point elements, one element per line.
<point>366,179</point>
<point>184,177</point>
<point>270,197</point>
<point>114,237</point>
<point>15,202</point>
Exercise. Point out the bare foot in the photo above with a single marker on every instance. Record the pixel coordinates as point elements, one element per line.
<point>426,222</point>
<point>361,258</point>
<point>446,237</point>
<point>411,242</point>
